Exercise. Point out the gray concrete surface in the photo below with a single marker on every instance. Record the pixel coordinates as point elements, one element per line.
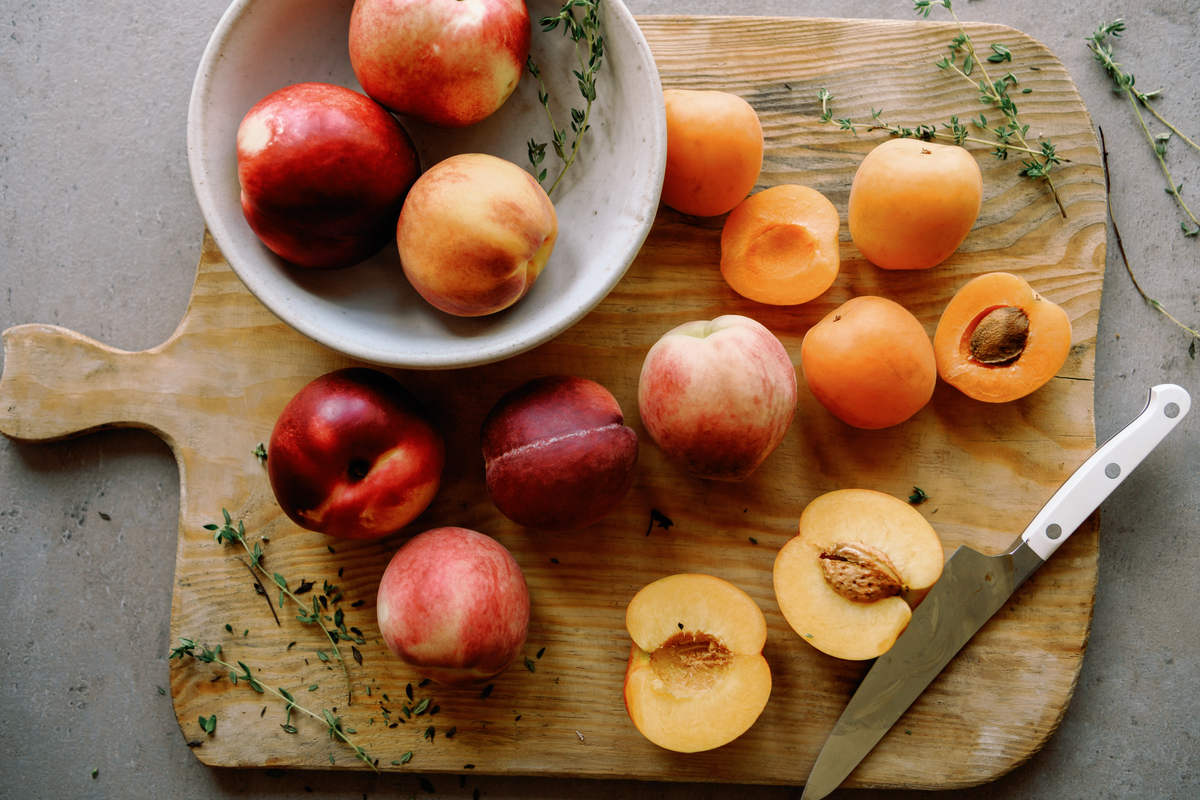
<point>100,232</point>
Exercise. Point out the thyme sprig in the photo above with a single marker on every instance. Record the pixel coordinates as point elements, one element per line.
<point>1125,83</point>
<point>228,533</point>
<point>585,33</point>
<point>240,672</point>
<point>1009,136</point>
<point>1195,335</point>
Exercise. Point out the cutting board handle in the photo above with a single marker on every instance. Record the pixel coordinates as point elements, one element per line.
<point>58,383</point>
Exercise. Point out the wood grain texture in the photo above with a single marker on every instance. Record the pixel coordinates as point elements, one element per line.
<point>215,388</point>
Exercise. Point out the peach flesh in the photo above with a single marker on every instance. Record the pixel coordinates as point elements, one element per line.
<point>830,620</point>
<point>696,678</point>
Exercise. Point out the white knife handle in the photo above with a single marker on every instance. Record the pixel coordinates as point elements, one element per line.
<point>1103,472</point>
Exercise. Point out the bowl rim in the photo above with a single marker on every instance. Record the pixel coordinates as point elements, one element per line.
<point>497,349</point>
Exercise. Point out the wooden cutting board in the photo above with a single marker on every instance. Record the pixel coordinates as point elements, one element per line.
<point>215,388</point>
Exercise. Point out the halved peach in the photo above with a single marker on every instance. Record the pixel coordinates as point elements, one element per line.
<point>696,678</point>
<point>847,582</point>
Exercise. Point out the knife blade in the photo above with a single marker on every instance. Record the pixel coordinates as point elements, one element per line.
<point>974,586</point>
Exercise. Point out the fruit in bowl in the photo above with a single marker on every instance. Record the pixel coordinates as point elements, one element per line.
<point>696,677</point>
<point>557,453</point>
<point>475,233</point>
<point>323,173</point>
<point>449,63</point>
<point>354,455</point>
<point>849,579</point>
<point>717,396</point>
<point>605,206</point>
<point>453,604</point>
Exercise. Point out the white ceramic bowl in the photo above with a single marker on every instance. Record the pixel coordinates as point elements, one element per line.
<point>606,203</point>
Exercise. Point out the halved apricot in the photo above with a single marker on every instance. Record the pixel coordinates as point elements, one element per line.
<point>696,677</point>
<point>845,582</point>
<point>870,363</point>
<point>780,246</point>
<point>999,340</point>
<point>714,151</point>
<point>912,203</point>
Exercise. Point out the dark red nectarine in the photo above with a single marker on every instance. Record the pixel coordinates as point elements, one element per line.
<point>558,454</point>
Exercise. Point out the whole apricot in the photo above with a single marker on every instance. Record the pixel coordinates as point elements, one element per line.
<point>912,203</point>
<point>999,340</point>
<point>870,363</point>
<point>714,151</point>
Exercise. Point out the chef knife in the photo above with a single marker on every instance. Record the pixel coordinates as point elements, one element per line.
<point>974,586</point>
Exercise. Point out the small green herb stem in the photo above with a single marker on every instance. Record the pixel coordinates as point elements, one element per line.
<point>895,131</point>
<point>334,730</point>
<point>237,534</point>
<point>587,113</point>
<point>1172,128</point>
<point>549,116</point>
<point>1161,161</point>
<point>1121,246</point>
<point>1125,82</point>
<point>991,90</point>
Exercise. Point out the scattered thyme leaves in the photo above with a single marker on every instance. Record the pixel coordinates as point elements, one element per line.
<point>228,533</point>
<point>662,519</point>
<point>1125,258</point>
<point>529,665</point>
<point>260,453</point>
<point>918,496</point>
<point>487,691</point>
